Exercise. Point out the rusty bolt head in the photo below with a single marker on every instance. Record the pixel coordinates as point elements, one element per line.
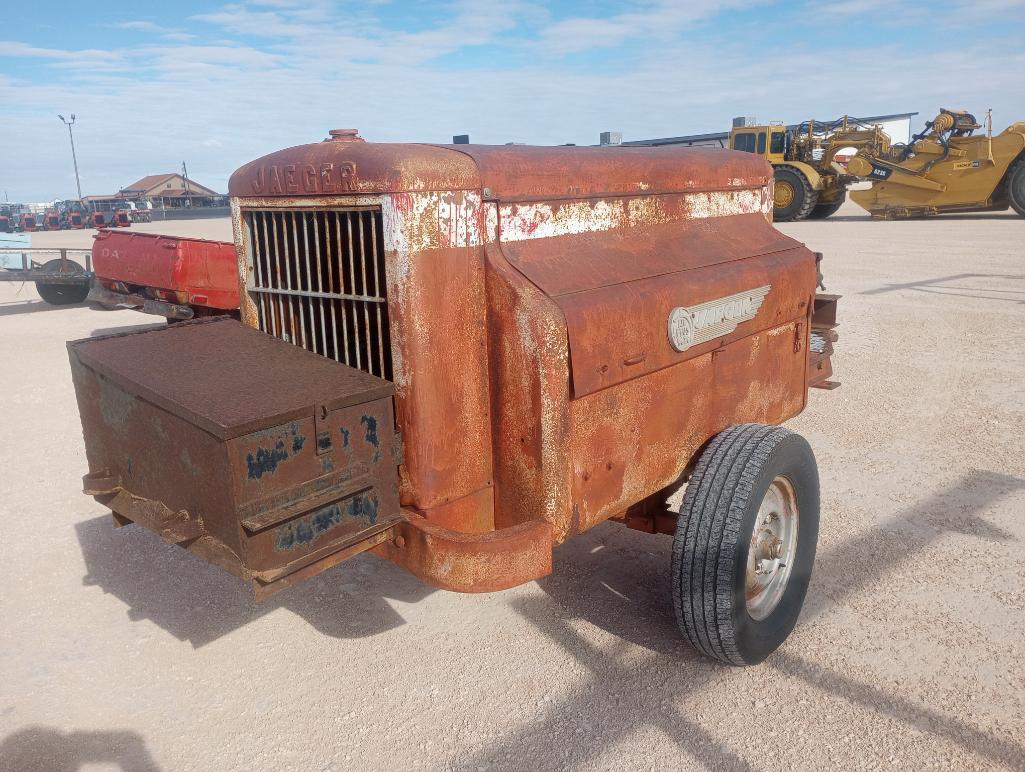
<point>399,541</point>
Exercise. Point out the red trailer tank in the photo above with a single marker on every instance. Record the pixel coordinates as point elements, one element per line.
<point>179,278</point>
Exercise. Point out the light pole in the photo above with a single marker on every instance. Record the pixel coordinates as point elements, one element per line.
<point>74,158</point>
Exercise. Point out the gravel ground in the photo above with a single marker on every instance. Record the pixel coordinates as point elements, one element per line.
<point>118,650</point>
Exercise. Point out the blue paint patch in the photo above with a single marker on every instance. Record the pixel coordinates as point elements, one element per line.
<point>345,437</point>
<point>324,441</point>
<point>298,440</point>
<point>266,460</point>
<point>371,423</point>
<point>306,530</point>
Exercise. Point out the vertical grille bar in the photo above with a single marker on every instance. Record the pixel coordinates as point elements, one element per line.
<point>319,282</point>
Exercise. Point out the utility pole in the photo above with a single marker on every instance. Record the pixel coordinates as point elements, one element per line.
<point>74,158</point>
<point>185,176</point>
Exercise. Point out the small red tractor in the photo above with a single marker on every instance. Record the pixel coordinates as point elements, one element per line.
<point>97,219</point>
<point>28,222</point>
<point>120,219</point>
<point>52,220</point>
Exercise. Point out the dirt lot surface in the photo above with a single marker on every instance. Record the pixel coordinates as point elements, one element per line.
<point>117,649</point>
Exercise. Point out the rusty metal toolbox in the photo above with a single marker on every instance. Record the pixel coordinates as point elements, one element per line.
<point>267,460</point>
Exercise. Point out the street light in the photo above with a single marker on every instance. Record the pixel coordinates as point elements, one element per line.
<point>74,158</point>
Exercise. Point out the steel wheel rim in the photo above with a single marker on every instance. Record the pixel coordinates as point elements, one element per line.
<point>773,549</point>
<point>783,195</point>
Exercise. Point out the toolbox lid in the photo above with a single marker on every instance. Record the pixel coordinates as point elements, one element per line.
<point>224,377</point>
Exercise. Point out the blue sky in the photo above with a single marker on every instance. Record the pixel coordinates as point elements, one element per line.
<point>218,84</point>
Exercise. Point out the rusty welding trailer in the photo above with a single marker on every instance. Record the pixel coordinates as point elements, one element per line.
<point>59,281</point>
<point>458,357</point>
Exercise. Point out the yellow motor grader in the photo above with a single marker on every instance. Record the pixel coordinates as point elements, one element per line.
<point>945,168</point>
<point>810,182</point>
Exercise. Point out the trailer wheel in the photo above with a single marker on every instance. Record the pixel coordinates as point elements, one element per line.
<point>793,196</point>
<point>62,294</point>
<point>1016,186</point>
<point>745,542</point>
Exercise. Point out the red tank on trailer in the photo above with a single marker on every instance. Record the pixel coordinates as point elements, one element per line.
<point>171,276</point>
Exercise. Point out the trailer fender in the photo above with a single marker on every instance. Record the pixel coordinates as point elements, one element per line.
<point>471,562</point>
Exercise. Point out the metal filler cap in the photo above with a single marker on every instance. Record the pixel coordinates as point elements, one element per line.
<point>344,135</point>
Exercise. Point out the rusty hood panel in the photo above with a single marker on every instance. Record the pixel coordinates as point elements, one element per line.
<point>617,289</point>
<point>527,173</point>
<point>341,168</point>
<point>507,173</point>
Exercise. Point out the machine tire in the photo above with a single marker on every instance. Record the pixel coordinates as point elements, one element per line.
<point>1016,186</point>
<point>62,294</point>
<point>715,535</point>
<point>803,197</point>
<point>824,211</point>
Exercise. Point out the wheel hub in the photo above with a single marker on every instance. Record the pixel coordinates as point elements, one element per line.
<point>783,195</point>
<point>773,549</point>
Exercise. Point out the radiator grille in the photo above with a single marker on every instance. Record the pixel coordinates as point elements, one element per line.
<point>319,282</point>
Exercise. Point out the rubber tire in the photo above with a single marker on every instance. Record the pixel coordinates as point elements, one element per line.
<point>713,536</point>
<point>1016,186</point>
<point>62,294</point>
<point>824,211</point>
<point>805,197</point>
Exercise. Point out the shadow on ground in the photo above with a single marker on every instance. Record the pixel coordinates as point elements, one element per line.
<point>960,285</point>
<point>46,748</point>
<point>32,307</point>
<point>618,581</point>
<point>196,602</point>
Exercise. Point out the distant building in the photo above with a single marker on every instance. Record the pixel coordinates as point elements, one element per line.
<point>161,191</point>
<point>897,126</point>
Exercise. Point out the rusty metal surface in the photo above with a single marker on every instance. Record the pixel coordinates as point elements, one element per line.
<point>527,173</point>
<point>184,370</point>
<point>529,292</point>
<point>466,562</point>
<point>340,168</point>
<point>637,438</point>
<point>616,300</point>
<point>438,350</point>
<point>263,485</point>
<point>99,294</point>
<point>506,173</point>
<point>823,336</point>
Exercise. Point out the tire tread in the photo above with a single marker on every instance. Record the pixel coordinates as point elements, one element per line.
<point>711,517</point>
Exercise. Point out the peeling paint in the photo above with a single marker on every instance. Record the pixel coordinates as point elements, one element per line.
<point>306,530</point>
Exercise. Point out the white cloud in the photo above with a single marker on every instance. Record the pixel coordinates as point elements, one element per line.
<point>144,108</point>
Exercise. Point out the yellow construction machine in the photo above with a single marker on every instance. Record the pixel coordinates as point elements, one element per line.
<point>945,168</point>
<point>810,181</point>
